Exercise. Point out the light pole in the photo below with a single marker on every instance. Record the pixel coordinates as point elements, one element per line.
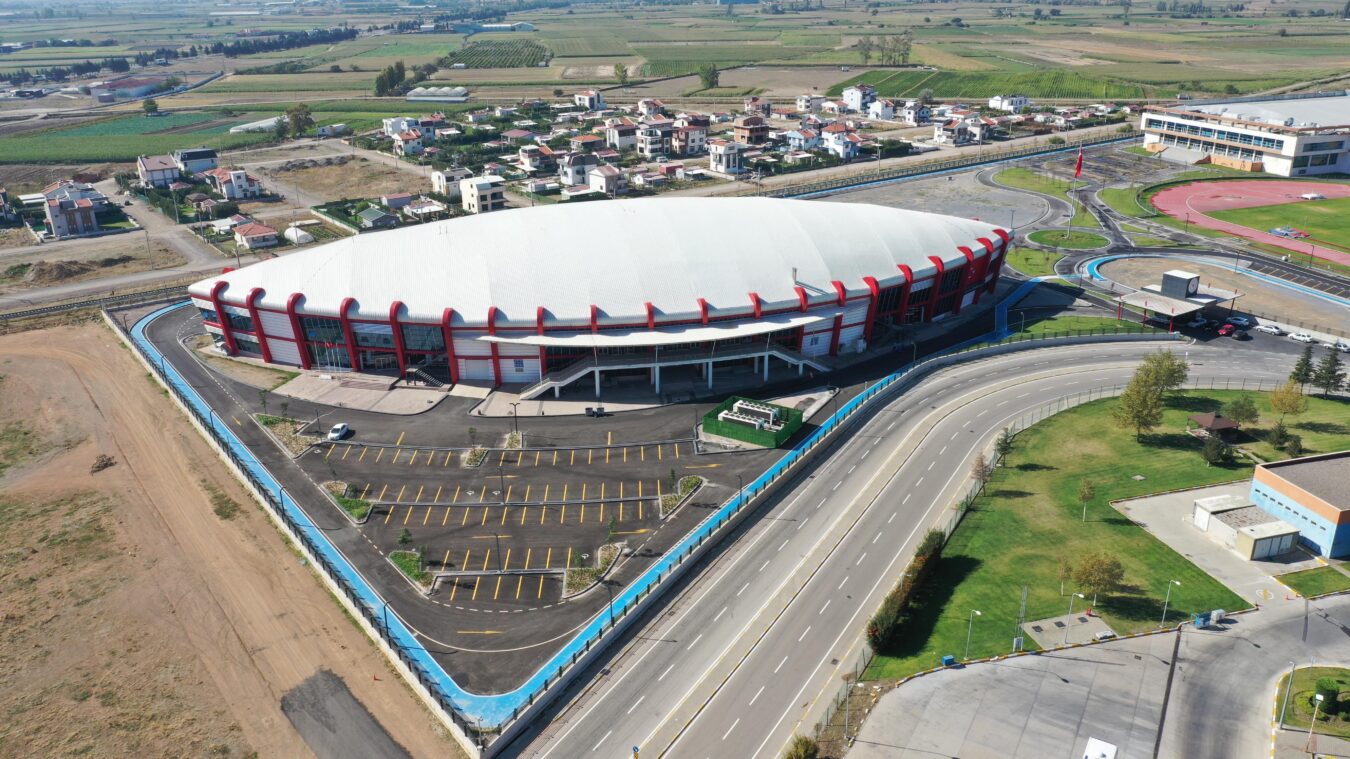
<point>498,538</point>
<point>515,423</point>
<point>1312,726</point>
<point>1171,584</point>
<point>740,483</point>
<point>970,628</point>
<point>1288,688</point>
<point>1069,627</point>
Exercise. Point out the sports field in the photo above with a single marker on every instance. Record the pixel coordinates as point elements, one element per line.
<point>1249,208</point>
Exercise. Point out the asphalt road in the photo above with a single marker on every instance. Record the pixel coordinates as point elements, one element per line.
<point>736,661</point>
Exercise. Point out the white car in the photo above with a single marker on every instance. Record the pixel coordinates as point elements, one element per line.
<point>1270,329</point>
<point>1301,337</point>
<point>1342,346</point>
<point>339,431</point>
<point>1240,321</point>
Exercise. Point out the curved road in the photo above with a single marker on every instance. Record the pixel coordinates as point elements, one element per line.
<point>733,665</point>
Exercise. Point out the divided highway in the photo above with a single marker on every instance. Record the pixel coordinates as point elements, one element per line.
<point>735,663</point>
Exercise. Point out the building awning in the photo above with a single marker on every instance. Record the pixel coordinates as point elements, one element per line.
<point>694,333</point>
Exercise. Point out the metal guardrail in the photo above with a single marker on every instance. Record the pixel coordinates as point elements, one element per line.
<point>125,299</point>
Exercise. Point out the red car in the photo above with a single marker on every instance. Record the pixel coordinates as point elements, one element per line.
<point>1227,330</point>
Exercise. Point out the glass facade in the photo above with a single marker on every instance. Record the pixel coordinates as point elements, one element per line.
<point>209,315</point>
<point>1212,133</point>
<point>319,329</point>
<point>328,357</point>
<point>240,322</point>
<point>373,335</point>
<point>422,337</point>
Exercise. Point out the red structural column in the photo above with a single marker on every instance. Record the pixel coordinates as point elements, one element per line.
<point>872,306</point>
<point>1006,239</point>
<point>448,335</point>
<point>492,330</point>
<point>295,327</point>
<point>398,337</point>
<point>651,315</point>
<point>595,318</point>
<point>908,274</point>
<point>990,254</point>
<point>841,291</point>
<point>347,335</point>
<point>258,332</point>
<point>757,305</point>
<point>834,334</point>
<point>703,310</point>
<point>539,314</point>
<point>801,296</point>
<point>222,317</point>
<point>967,275</point>
<point>937,285</point>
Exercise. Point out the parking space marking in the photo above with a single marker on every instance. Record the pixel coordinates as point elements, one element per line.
<point>508,492</point>
<point>541,587</point>
<point>573,460</point>
<point>454,586</point>
<point>382,491</point>
<point>504,510</point>
<point>398,452</point>
<point>379,456</point>
<point>363,492</point>
<point>523,513</point>
<point>543,511</point>
<point>446,519</point>
<point>583,513</point>
<point>400,492</point>
<point>448,455</point>
<point>519,582</point>
<point>639,511</point>
<point>625,455</point>
<point>331,448</point>
<point>526,497</point>
<point>476,580</point>
<point>520,456</point>
<point>501,460</point>
<point>497,590</point>
<point>482,493</point>
<point>445,563</point>
<point>437,498</point>
<point>537,454</point>
<point>456,498</point>
<point>562,515</point>
<point>486,556</point>
<point>677,450</point>
<point>548,558</point>
<point>388,514</point>
<point>607,450</point>
<point>485,515</point>
<point>642,453</point>
<point>602,511</point>
<point>465,520</point>
<point>569,557</point>
<point>428,516</point>
<point>528,551</point>
<point>420,488</point>
<point>362,457</point>
<point>400,438</point>
<point>506,563</point>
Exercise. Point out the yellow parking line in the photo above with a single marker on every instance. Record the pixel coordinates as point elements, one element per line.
<point>502,459</point>
<point>388,515</point>
<point>379,456</point>
<point>400,493</point>
<point>504,510</point>
<point>476,580</point>
<point>519,582</point>
<point>543,511</point>
<point>446,519</point>
<point>485,513</point>
<point>583,491</point>
<point>607,455</point>
<point>465,565</point>
<point>446,561</point>
<point>363,492</point>
<point>347,452</point>
<point>620,511</point>
<point>639,488</point>
<point>677,450</point>
<point>406,516</point>
<point>609,438</point>
<point>545,498</point>
<point>454,586</point>
<point>482,493</point>
<point>523,512</point>
<point>456,498</point>
<point>589,452</point>
<point>486,556</point>
<point>548,558</point>
<point>496,591</point>
<point>420,488</point>
<point>639,511</point>
<point>400,438</point>
<point>506,563</point>
<point>465,520</point>
<point>528,551</point>
<point>526,497</point>
<point>362,457</point>
<point>583,513</point>
<point>573,460</point>
<point>425,518</point>
<point>448,455</point>
<point>602,511</point>
<point>439,488</point>
<point>541,587</point>
<point>430,455</point>
<point>602,491</point>
<point>507,499</point>
<point>331,448</point>
<point>625,455</point>
<point>520,456</point>
<point>537,454</point>
<point>658,490</point>
<point>562,515</point>
<point>555,458</point>
<point>564,491</point>
<point>642,453</point>
<point>569,557</point>
<point>397,453</point>
<point>621,488</point>
<point>658,452</point>
<point>382,490</point>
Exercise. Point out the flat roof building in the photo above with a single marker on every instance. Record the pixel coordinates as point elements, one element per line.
<point>1311,493</point>
<point>1291,136</point>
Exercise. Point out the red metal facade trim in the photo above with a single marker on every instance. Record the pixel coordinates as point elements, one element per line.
<point>843,291</point>
<point>399,351</point>
<point>347,335</point>
<point>252,302</point>
<point>295,326</point>
<point>801,296</point>
<point>834,334</point>
<point>222,317</point>
<point>492,330</point>
<point>448,335</point>
<point>703,310</point>
<point>871,306</point>
<point>651,315</point>
<point>937,285</point>
<point>904,294</point>
<point>1005,238</point>
<point>595,318</point>
<point>757,305</point>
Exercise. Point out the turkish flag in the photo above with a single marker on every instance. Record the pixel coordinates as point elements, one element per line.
<point>1078,168</point>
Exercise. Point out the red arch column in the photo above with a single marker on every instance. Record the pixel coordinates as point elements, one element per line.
<point>841,291</point>
<point>757,304</point>
<point>801,296</point>
<point>872,306</point>
<point>222,317</point>
<point>967,276</point>
<point>448,335</point>
<point>257,323</point>
<point>651,315</point>
<point>989,260</point>
<point>295,327</point>
<point>703,310</point>
<point>496,360</point>
<point>1006,239</point>
<point>908,274</point>
<point>539,314</point>
<point>347,335</point>
<point>398,337</point>
<point>937,284</point>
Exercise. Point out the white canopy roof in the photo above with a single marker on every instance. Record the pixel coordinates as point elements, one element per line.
<point>616,255</point>
<point>666,336</point>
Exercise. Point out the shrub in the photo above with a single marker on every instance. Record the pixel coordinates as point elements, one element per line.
<point>802,747</point>
<point>1330,690</point>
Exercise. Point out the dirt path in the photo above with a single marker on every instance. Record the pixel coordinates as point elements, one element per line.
<point>216,610</point>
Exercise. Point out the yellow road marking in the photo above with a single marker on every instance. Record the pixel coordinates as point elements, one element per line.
<point>454,586</point>
<point>363,492</point>
<point>456,498</point>
<point>400,492</point>
<point>478,632</point>
<point>528,551</point>
<point>382,490</point>
<point>555,458</point>
<point>504,510</point>
<point>537,454</point>
<point>621,488</point>
<point>379,455</point>
<point>506,564</point>
<point>465,565</point>
<point>400,438</point>
<point>523,512</point>
<point>497,590</point>
<point>639,488</point>
<point>642,453</point>
<point>620,511</point>
<point>609,438</point>
<point>482,493</point>
<point>476,580</point>
<point>703,466</point>
<point>406,516</point>
<point>486,556</point>
<point>607,455</point>
<point>677,450</point>
<point>428,516</point>
<point>420,488</point>
<point>526,497</point>
<point>331,448</point>
<point>545,498</point>
<point>634,532</point>
<point>625,455</point>
<point>569,557</point>
<point>520,456</point>
<point>573,460</point>
<point>589,452</point>
<point>362,457</point>
<point>347,452</point>
<point>502,459</point>
<point>446,561</point>
<point>485,513</point>
<point>583,513</point>
<point>564,491</point>
<point>602,511</point>
<point>583,491</point>
<point>659,454</point>
<point>430,455</point>
<point>507,498</point>
<point>465,520</point>
<point>548,558</point>
<point>541,587</point>
<point>639,511</point>
<point>448,455</point>
<point>658,490</point>
<point>446,519</point>
<point>542,511</point>
<point>439,488</point>
<point>519,582</point>
<point>562,515</point>
<point>397,453</point>
<point>236,421</point>
<point>388,515</point>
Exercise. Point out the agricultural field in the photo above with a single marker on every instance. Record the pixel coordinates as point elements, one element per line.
<point>491,54</point>
<point>123,138</point>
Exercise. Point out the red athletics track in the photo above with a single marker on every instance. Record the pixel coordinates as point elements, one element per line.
<point>1198,198</point>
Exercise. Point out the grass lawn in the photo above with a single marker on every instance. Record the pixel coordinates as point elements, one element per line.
<point>1036,325</point>
<point>1148,241</point>
<point>1328,221</point>
<point>1030,517</point>
<point>1033,263</point>
<point>1315,582</point>
<point>1067,239</point>
<point>1300,710</point>
<point>410,564</point>
<point>1325,428</point>
<point>1122,200</point>
<point>1026,179</point>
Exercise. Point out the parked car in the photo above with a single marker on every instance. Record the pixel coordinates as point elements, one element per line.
<point>1301,337</point>
<point>1227,330</point>
<point>1198,322</point>
<point>1241,335</point>
<point>338,431</point>
<point>1342,346</point>
<point>1270,329</point>
<point>1240,321</point>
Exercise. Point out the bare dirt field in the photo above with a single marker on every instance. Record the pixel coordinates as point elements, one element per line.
<point>354,178</point>
<point>150,608</point>
<point>78,260</point>
<point>1257,296</point>
<point>23,178</point>
<point>15,237</point>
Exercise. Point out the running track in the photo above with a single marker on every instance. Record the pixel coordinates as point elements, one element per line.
<point>1199,198</point>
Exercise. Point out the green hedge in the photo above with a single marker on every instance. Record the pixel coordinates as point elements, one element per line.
<point>745,434</point>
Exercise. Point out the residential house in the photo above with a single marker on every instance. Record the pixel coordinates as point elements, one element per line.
<point>809,103</point>
<point>447,182</point>
<point>504,111</point>
<point>834,107</point>
<point>156,170</point>
<point>882,110</point>
<point>693,119</point>
<point>586,142</point>
<point>689,140</point>
<point>655,139</point>
<point>803,139</point>
<point>397,200</point>
<point>68,189</point>
<point>621,133</point>
<point>1009,103</point>
<point>649,107</point>
<point>669,170</point>
<point>395,125</point>
<point>573,168</point>
<point>68,217</point>
<point>195,160</point>
<point>857,97</point>
<point>431,122</point>
<point>914,113</point>
<point>374,218</point>
<point>757,106</point>
<point>840,141</point>
<point>333,130</point>
<point>608,179</point>
<point>793,157</point>
<point>650,180</point>
<point>726,156</point>
<point>408,142</point>
<point>234,184</point>
<point>750,130</point>
<point>518,136</point>
<point>952,132</point>
<point>424,208</point>
<point>254,235</point>
<point>537,158</point>
<point>482,194</point>
<point>478,117</point>
<point>222,226</point>
<point>591,100</point>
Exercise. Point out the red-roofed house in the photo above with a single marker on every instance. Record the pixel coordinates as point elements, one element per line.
<point>254,235</point>
<point>234,184</point>
<point>587,142</point>
<point>156,170</point>
<point>408,142</point>
<point>68,218</point>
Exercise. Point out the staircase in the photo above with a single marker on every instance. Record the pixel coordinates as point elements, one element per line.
<point>421,376</point>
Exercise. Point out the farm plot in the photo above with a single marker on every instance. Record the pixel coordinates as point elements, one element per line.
<point>671,60</point>
<point>132,125</point>
<point>307,82</point>
<point>589,45</point>
<point>1039,84</point>
<point>58,147</point>
<point>489,54</point>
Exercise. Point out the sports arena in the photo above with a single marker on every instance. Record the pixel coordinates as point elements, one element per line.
<point>548,296</point>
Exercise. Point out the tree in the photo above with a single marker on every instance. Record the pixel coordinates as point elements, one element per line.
<point>1215,451</point>
<point>926,96</point>
<point>1086,492</point>
<point>1164,371</point>
<point>1241,410</point>
<point>1330,373</point>
<point>298,119</point>
<point>904,46</point>
<point>621,74</point>
<point>1289,399</point>
<point>1004,444</point>
<point>708,74</point>
<point>557,92</point>
<point>405,537</point>
<point>1330,691</point>
<point>1140,407</point>
<point>149,106</point>
<point>1294,446</point>
<point>281,129</point>
<point>865,45</point>
<point>1100,573</point>
<point>1064,572</point>
<point>1303,368</point>
<point>980,470</point>
<point>802,747</point>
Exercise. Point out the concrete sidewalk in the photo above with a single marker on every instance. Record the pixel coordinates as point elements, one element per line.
<point>336,390</point>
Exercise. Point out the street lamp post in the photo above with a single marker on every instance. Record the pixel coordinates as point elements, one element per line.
<point>970,628</point>
<point>1171,584</point>
<point>1312,726</point>
<point>1288,688</point>
<point>1069,627</point>
<point>515,423</point>
<point>498,538</point>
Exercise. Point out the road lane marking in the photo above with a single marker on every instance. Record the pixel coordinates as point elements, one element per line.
<point>836,485</point>
<point>765,564</point>
<point>742,590</point>
<point>720,613</point>
<point>696,640</point>
<point>596,747</point>
<point>635,704</point>
<point>860,558</point>
<point>804,632</point>
<point>875,539</point>
<point>785,542</point>
<point>780,665</point>
<point>826,606</point>
<point>400,438</point>
<point>822,503</point>
<point>756,696</point>
<point>663,674</point>
<point>803,523</point>
<point>841,582</point>
<point>733,727</point>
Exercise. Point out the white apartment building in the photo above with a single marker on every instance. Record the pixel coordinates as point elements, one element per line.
<point>482,194</point>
